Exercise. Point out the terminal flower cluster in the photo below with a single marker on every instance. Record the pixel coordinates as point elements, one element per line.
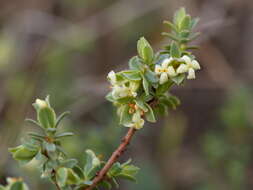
<point>142,92</point>
<point>171,67</point>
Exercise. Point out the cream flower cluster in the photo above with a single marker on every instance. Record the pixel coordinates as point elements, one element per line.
<point>166,70</point>
<point>119,89</point>
<point>137,121</point>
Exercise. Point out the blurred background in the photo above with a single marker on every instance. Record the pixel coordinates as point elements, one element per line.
<point>65,48</point>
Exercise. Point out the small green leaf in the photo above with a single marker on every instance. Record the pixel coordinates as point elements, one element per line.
<point>124,100</point>
<point>62,135</point>
<point>141,43</point>
<point>31,145</point>
<point>78,171</point>
<point>161,109</point>
<point>178,79</point>
<point>37,136</point>
<point>105,184</point>
<point>61,176</point>
<point>171,101</point>
<point>40,157</point>
<point>127,177</point>
<point>146,98</point>
<point>135,64</point>
<point>91,162</point>
<point>69,163</point>
<point>72,177</point>
<point>148,54</point>
<point>171,36</point>
<point>109,97</point>
<point>60,149</point>
<point>145,85</point>
<point>179,16</point>
<point>125,116</point>
<point>127,162</point>
<point>186,23</point>
<point>115,169</point>
<point>170,25</point>
<point>131,75</point>
<point>141,104</point>
<point>145,51</point>
<point>61,117</point>
<point>163,88</point>
<point>94,171</point>
<point>174,50</point>
<point>22,153</point>
<point>131,170</point>
<point>47,117</point>
<point>51,130</point>
<point>150,114</point>
<point>33,122</point>
<point>184,34</point>
<point>115,182</point>
<point>50,147</point>
<point>151,76</point>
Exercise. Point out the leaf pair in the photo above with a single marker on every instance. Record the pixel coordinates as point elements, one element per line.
<point>145,51</point>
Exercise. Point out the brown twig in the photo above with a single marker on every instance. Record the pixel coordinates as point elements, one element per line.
<point>54,180</point>
<point>114,157</point>
<point>57,186</point>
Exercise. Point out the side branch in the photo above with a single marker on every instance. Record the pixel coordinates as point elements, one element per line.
<point>114,157</point>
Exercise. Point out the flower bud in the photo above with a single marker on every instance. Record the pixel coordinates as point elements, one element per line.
<point>41,103</point>
<point>45,114</point>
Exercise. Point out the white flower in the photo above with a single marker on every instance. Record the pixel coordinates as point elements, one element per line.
<point>165,71</point>
<point>137,121</point>
<point>112,77</point>
<point>188,66</point>
<point>191,74</point>
<point>121,91</point>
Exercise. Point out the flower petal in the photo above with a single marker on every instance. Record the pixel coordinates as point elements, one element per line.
<point>139,124</point>
<point>195,65</point>
<point>182,68</point>
<point>171,71</point>
<point>186,59</point>
<point>191,74</point>
<point>166,62</point>
<point>134,94</point>
<point>158,69</point>
<point>112,77</point>
<point>41,103</point>
<point>163,78</point>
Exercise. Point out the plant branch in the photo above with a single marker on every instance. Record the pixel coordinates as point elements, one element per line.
<point>57,186</point>
<point>114,157</point>
<point>54,180</point>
